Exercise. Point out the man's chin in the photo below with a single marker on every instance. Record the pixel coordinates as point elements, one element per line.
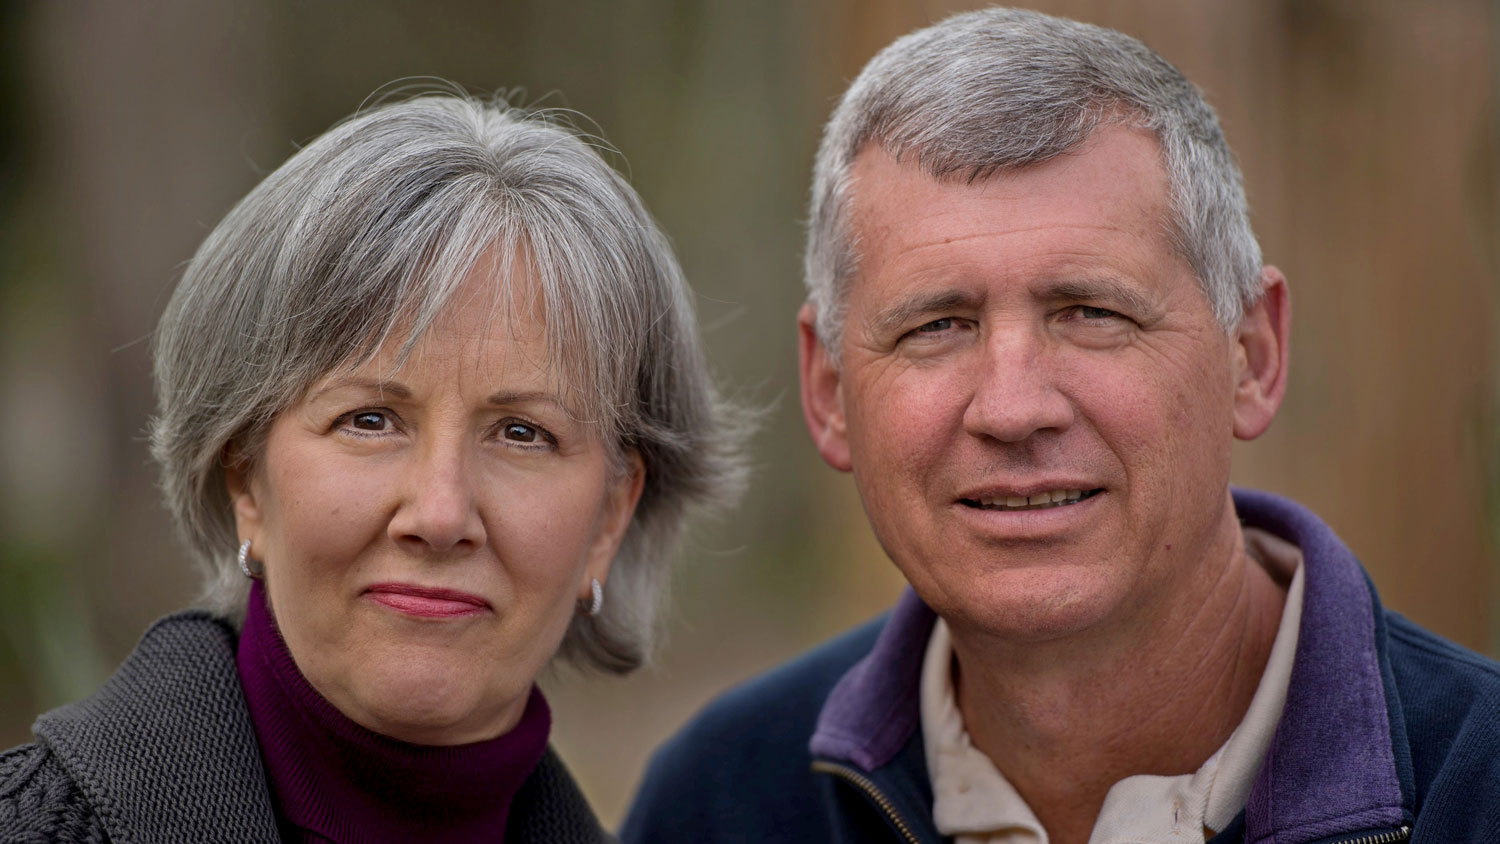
<point>1030,606</point>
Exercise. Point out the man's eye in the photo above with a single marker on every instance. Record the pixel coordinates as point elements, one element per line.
<point>936,325</point>
<point>1095,313</point>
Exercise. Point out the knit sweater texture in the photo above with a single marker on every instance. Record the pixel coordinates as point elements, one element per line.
<point>165,752</point>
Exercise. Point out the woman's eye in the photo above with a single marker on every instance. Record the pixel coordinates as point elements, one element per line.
<point>520,432</point>
<point>525,433</point>
<point>369,420</point>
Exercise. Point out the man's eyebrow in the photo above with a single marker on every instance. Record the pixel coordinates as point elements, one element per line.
<point>1106,289</point>
<point>904,311</point>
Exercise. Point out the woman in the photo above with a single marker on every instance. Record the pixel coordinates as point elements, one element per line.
<point>431,410</point>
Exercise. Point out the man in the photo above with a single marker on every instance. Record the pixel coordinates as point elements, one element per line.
<point>1037,320</point>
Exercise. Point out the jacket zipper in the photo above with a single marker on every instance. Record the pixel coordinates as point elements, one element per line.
<point>864,784</point>
<point>1390,837</point>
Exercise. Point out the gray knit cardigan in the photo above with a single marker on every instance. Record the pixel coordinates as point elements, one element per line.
<point>165,752</point>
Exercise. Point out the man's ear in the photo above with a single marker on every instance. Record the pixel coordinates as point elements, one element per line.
<point>1264,339</point>
<point>822,393</point>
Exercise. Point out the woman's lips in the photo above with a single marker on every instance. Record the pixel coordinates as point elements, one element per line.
<point>425,601</point>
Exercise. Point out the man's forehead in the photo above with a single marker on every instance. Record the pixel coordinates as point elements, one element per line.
<point>1092,227</point>
<point>1117,162</point>
<point>1112,187</point>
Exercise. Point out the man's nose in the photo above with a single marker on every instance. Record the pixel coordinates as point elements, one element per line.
<point>439,511</point>
<point>1016,393</point>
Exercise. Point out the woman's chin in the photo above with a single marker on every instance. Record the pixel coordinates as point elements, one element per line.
<point>435,710</point>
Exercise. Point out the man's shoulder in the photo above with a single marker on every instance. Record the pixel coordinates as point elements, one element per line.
<point>1450,712</point>
<point>1443,686</point>
<point>741,765</point>
<point>1422,650</point>
<point>774,712</point>
<point>794,690</point>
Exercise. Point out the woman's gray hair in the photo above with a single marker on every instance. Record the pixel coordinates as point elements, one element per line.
<point>362,236</point>
<point>1000,88</point>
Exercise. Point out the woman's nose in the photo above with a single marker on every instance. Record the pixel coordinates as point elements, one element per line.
<point>438,511</point>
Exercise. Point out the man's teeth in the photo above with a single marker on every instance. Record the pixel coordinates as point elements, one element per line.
<point>1042,500</point>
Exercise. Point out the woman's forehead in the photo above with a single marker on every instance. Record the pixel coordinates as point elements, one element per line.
<point>493,326</point>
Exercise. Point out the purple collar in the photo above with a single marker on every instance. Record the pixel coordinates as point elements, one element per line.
<point>1330,768</point>
<point>338,781</point>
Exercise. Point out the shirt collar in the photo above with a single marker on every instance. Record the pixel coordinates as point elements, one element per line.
<point>971,795</point>
<point>1307,788</point>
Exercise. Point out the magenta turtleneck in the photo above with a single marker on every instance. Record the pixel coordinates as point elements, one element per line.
<point>333,780</point>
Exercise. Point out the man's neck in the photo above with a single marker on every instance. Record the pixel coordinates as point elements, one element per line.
<point>1066,720</point>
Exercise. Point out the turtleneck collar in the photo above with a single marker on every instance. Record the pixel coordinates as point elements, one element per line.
<point>332,779</point>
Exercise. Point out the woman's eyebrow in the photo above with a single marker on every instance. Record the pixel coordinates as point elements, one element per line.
<point>505,397</point>
<point>394,389</point>
<point>398,390</point>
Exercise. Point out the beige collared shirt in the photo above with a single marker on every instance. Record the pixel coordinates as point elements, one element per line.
<point>973,801</point>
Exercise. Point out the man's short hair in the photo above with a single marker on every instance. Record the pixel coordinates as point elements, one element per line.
<point>1002,88</point>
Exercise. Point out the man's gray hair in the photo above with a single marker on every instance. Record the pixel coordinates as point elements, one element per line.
<point>1001,88</point>
<point>363,236</point>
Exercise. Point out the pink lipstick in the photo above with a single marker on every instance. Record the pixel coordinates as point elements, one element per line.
<point>426,602</point>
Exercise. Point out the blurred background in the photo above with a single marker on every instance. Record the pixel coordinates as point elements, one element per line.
<point>1367,130</point>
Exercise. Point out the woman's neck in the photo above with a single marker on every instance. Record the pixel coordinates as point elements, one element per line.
<point>333,779</point>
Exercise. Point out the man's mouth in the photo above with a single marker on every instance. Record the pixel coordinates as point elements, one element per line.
<point>1039,501</point>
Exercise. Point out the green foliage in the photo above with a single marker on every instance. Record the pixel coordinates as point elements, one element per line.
<point>45,625</point>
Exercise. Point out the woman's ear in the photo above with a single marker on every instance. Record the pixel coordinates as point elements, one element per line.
<point>1264,338</point>
<point>620,500</point>
<point>237,482</point>
<point>822,395</point>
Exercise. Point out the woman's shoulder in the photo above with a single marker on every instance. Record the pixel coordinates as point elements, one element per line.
<point>40,802</point>
<point>166,743</point>
<point>550,807</point>
<point>181,673</point>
